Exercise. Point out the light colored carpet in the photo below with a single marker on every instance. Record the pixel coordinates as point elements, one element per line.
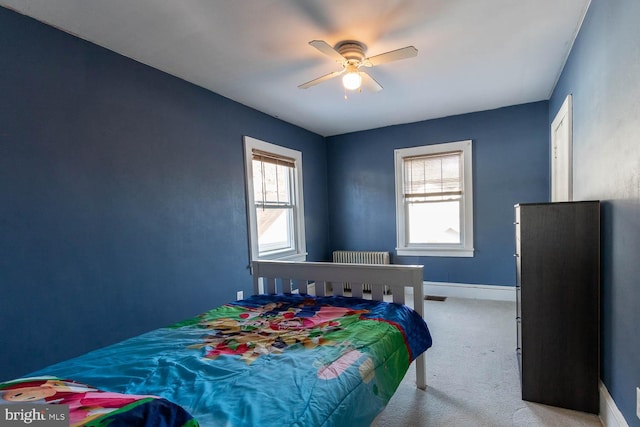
<point>472,374</point>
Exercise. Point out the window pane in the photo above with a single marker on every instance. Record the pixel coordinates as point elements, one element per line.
<point>274,229</point>
<point>271,183</point>
<point>436,222</point>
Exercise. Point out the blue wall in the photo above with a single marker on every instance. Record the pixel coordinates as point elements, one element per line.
<point>603,76</point>
<point>121,196</point>
<point>122,190</point>
<point>510,165</point>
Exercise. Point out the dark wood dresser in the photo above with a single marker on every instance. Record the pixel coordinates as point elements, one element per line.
<point>558,303</point>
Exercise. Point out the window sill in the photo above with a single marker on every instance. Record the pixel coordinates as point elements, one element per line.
<point>462,253</point>
<point>287,257</point>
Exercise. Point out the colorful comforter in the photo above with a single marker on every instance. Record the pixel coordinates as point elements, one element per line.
<point>24,402</point>
<point>281,360</point>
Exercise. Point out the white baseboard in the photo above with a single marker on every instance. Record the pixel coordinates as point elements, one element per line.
<point>463,290</point>
<point>610,415</point>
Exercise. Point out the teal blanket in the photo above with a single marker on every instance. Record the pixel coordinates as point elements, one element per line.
<point>270,360</point>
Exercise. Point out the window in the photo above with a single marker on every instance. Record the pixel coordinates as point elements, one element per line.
<point>434,200</point>
<point>274,201</point>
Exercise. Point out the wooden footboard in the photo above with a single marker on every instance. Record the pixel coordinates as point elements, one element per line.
<point>323,278</point>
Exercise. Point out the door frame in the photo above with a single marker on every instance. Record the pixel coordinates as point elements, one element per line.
<point>565,115</point>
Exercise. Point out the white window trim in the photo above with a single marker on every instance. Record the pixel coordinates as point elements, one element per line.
<point>300,253</point>
<point>465,248</point>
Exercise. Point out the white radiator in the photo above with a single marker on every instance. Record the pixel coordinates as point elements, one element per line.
<point>361,257</point>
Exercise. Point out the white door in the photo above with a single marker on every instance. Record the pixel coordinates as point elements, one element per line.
<point>561,154</point>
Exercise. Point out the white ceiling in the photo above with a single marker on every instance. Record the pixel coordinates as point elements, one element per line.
<point>473,55</point>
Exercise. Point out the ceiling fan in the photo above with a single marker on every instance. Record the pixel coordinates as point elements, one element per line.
<point>351,55</point>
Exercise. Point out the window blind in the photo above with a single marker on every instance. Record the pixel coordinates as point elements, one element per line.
<point>272,179</point>
<point>265,157</point>
<point>433,177</point>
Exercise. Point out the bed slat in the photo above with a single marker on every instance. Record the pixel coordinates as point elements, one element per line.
<point>377,293</point>
<point>356,290</point>
<point>321,288</point>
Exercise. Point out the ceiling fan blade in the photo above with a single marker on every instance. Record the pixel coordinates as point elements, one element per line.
<point>324,47</point>
<point>394,55</point>
<point>320,79</point>
<point>370,83</point>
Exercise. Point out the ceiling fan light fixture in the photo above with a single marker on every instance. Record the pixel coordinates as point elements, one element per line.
<point>352,55</point>
<point>352,80</point>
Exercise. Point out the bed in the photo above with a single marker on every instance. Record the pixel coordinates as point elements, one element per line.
<point>302,351</point>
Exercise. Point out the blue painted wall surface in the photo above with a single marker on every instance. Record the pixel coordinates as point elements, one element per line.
<point>510,165</point>
<point>121,190</point>
<point>121,196</point>
<point>603,76</point>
